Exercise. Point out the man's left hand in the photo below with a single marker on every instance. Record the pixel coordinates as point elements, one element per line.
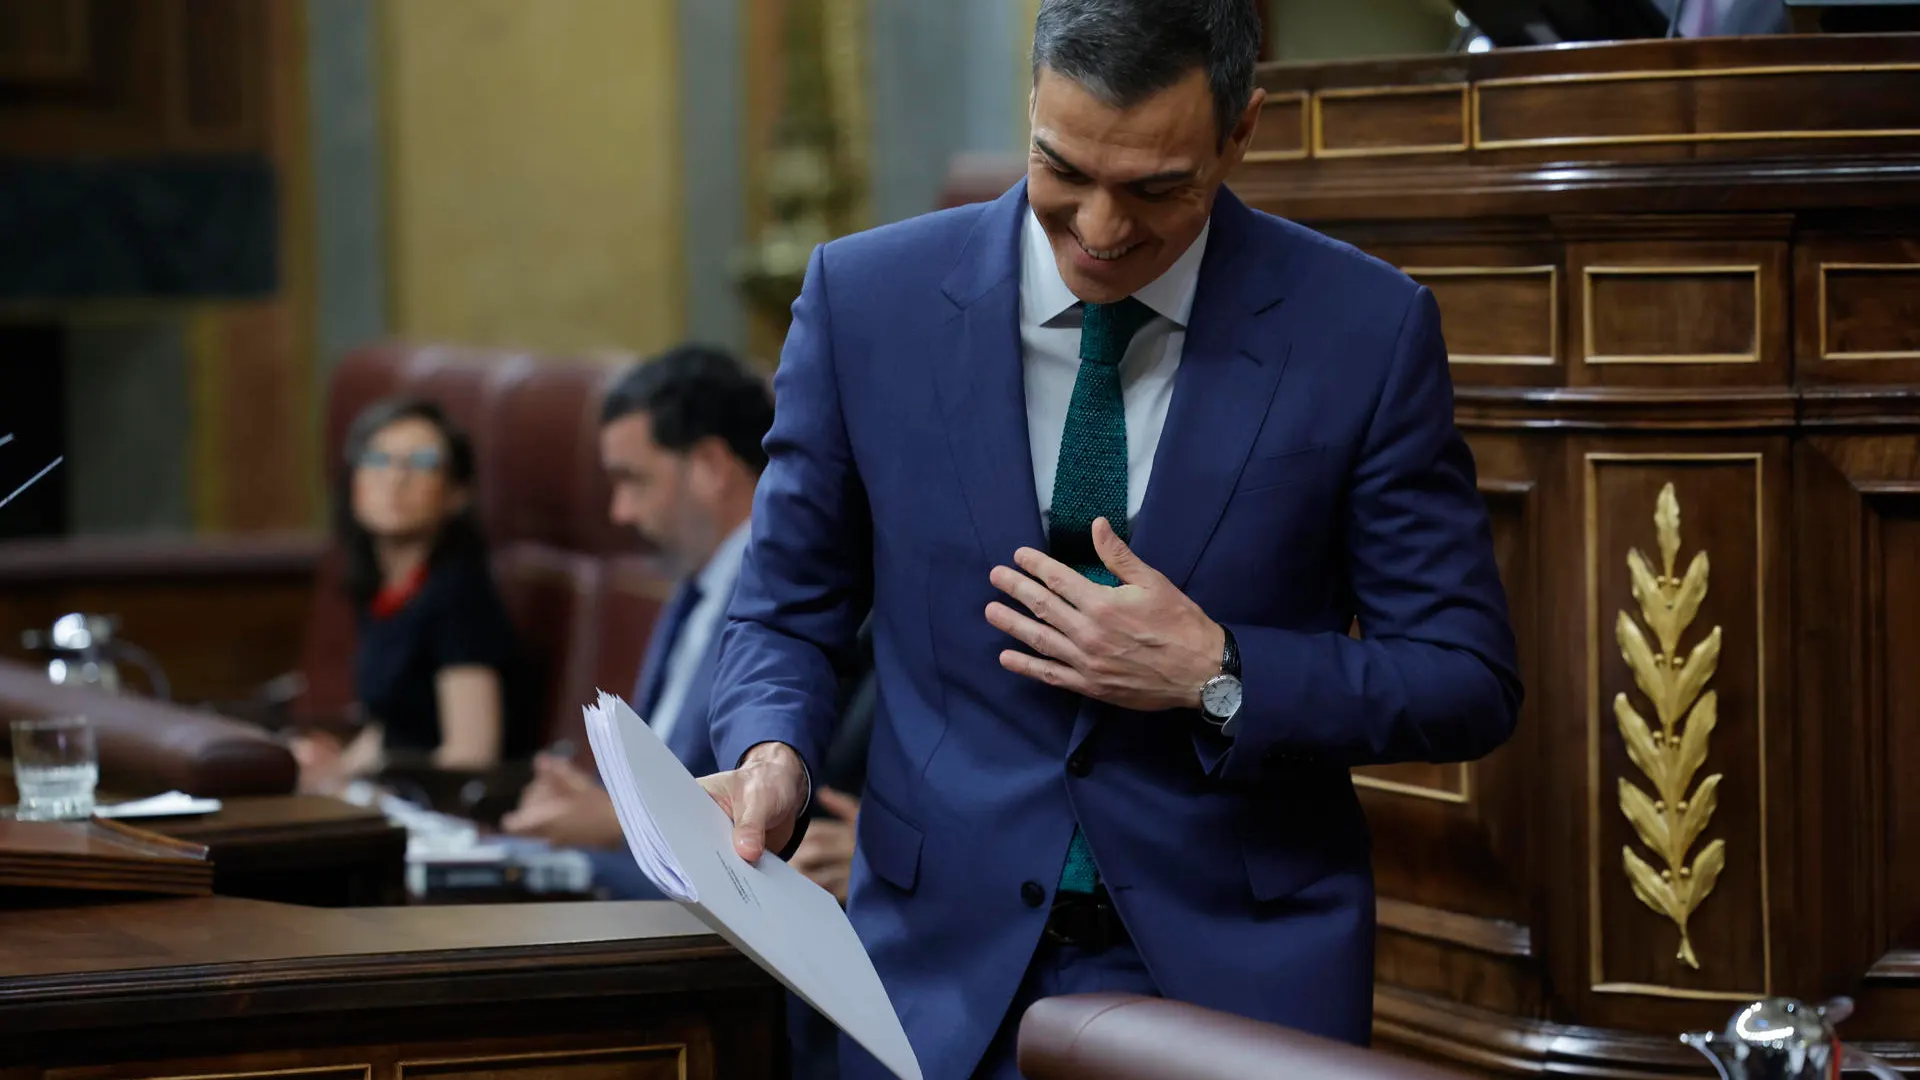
<point>1140,645</point>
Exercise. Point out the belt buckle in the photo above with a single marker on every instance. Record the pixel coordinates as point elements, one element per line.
<point>1083,920</point>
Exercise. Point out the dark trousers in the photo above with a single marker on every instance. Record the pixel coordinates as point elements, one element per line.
<point>1056,970</point>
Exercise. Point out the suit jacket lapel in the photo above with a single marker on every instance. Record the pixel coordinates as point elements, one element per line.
<point>1236,348</point>
<point>981,383</point>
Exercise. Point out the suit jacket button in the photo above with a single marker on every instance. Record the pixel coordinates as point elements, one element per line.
<point>1078,765</point>
<point>1032,894</point>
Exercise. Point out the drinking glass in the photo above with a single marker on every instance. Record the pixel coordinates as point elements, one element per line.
<point>55,768</point>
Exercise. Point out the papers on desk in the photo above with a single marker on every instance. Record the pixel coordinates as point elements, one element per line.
<point>785,923</point>
<point>170,804</point>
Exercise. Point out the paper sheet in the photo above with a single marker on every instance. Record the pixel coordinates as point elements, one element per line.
<point>791,927</point>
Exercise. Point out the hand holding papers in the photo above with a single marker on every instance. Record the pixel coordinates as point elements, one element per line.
<point>791,927</point>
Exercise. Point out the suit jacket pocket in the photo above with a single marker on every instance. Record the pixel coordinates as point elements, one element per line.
<point>1292,842</point>
<point>891,845</point>
<point>1286,467</point>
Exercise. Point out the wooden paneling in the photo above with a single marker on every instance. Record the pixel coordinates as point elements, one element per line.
<point>113,78</point>
<point>1284,130</point>
<point>1382,121</point>
<point>1857,311</point>
<point>1720,240</point>
<point>661,1061</point>
<point>1496,314</point>
<point>1679,313</point>
<point>1672,315</point>
<point>1745,103</point>
<point>43,40</point>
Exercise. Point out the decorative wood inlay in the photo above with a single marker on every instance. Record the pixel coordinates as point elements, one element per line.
<point>1671,314</point>
<point>1623,108</point>
<point>1869,311</point>
<point>1379,121</point>
<point>613,1063</point>
<point>1442,783</point>
<point>1670,821</point>
<point>1496,936</point>
<point>1672,756</point>
<point>311,1072</point>
<point>1496,314</point>
<point>1284,132</point>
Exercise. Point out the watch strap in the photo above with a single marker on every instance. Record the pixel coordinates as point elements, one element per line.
<point>1230,654</point>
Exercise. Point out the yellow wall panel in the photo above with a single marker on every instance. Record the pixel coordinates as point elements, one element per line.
<point>534,172</point>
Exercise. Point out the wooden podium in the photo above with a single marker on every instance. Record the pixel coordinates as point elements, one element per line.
<point>224,987</point>
<point>1680,283</point>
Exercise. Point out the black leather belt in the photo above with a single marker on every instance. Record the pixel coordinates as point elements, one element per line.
<point>1085,921</point>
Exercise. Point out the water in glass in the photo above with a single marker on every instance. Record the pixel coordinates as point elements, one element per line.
<point>55,767</point>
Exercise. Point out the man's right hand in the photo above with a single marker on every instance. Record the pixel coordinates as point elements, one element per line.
<point>763,797</point>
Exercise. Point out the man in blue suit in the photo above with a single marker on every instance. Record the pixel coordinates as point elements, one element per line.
<point>1114,462</point>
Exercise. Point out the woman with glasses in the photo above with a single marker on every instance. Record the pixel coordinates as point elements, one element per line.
<point>436,666</point>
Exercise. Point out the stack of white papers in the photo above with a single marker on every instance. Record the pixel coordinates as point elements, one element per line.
<point>791,927</point>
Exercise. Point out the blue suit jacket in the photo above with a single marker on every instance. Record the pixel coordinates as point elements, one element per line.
<point>1309,472</point>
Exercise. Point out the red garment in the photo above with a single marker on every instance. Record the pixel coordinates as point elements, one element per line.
<point>392,598</point>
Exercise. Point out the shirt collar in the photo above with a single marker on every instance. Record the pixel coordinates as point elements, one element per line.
<point>1044,295</point>
<point>717,577</point>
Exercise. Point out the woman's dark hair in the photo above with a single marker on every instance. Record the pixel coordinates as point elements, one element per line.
<point>459,535</point>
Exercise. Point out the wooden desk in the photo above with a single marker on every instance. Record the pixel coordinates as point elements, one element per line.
<point>299,849</point>
<point>240,988</point>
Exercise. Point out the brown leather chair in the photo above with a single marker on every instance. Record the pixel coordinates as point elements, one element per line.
<point>1126,1037</point>
<point>580,594</point>
<point>147,746</point>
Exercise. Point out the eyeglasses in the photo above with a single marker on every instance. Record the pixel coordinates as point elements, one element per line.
<point>426,459</point>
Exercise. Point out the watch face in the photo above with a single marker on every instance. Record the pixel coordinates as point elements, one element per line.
<point>1221,696</point>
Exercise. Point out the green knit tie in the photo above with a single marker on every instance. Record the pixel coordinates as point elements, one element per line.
<point>1091,480</point>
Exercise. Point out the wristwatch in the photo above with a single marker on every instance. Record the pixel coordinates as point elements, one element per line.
<point>1220,696</point>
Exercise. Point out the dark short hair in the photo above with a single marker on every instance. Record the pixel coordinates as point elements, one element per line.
<point>1125,51</point>
<point>694,392</point>
<point>459,535</point>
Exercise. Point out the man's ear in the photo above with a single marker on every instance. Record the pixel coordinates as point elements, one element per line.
<point>1242,135</point>
<point>707,462</point>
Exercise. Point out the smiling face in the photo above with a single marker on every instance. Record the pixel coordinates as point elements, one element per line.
<point>1123,192</point>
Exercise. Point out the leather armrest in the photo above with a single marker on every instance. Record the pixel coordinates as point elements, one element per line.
<point>1127,1037</point>
<point>149,746</point>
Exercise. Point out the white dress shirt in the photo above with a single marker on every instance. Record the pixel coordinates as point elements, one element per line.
<point>1050,355</point>
<point>683,658</point>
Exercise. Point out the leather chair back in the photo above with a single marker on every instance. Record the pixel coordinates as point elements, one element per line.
<point>1127,1037</point>
<point>582,601</point>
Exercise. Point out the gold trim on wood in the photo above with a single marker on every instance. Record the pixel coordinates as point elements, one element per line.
<point>678,1049</point>
<point>1553,310</point>
<point>1586,316</point>
<point>1300,98</point>
<point>1896,354</point>
<point>1421,791</point>
<point>1598,982</point>
<point>346,1069</point>
<point>1480,142</point>
<point>1318,124</point>
<point>1672,821</point>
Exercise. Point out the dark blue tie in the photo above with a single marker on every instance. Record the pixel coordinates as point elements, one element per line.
<point>672,621</point>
